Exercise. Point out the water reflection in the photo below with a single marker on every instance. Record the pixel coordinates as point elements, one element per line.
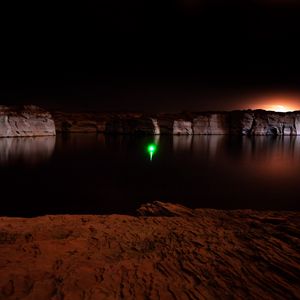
<point>262,154</point>
<point>79,142</point>
<point>272,156</point>
<point>182,143</point>
<point>209,146</point>
<point>27,150</point>
<point>91,173</point>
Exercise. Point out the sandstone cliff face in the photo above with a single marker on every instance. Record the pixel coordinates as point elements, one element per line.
<point>168,252</point>
<point>182,127</point>
<point>131,125</point>
<point>33,121</point>
<point>241,123</point>
<point>211,123</point>
<point>261,122</point>
<point>25,121</point>
<point>257,122</point>
<point>80,122</point>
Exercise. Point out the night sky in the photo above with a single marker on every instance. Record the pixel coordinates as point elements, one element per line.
<point>150,56</point>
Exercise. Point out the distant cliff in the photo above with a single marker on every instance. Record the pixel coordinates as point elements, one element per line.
<point>27,120</point>
<point>33,121</point>
<point>242,122</point>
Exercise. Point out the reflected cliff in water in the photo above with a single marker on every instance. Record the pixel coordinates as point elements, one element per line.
<point>26,150</point>
<point>271,156</point>
<point>264,153</point>
<point>90,173</point>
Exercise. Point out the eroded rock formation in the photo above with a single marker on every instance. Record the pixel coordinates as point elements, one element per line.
<point>182,127</point>
<point>80,122</point>
<point>261,122</point>
<point>247,122</point>
<point>131,125</point>
<point>211,123</point>
<point>168,252</point>
<point>33,121</point>
<point>28,120</point>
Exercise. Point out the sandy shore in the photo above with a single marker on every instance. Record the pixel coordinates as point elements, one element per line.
<point>167,252</point>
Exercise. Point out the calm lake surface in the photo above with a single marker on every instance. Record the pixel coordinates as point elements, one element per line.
<point>89,173</point>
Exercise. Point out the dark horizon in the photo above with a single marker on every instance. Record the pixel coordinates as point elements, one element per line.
<point>139,56</point>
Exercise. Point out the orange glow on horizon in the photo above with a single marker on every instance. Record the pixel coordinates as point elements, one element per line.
<point>277,103</point>
<point>279,108</point>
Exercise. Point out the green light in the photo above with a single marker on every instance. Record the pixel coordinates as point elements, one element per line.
<point>151,149</point>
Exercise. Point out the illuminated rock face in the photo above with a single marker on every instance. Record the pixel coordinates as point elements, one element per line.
<point>155,125</point>
<point>258,122</point>
<point>247,122</point>
<point>201,125</point>
<point>268,124</point>
<point>182,127</point>
<point>33,121</point>
<point>211,123</point>
<point>264,123</point>
<point>25,121</point>
<point>297,123</point>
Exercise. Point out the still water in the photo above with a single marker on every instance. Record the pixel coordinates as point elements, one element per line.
<point>89,173</point>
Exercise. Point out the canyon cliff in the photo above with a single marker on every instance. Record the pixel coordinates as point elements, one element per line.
<point>167,251</point>
<point>243,122</point>
<point>33,121</point>
<point>27,120</point>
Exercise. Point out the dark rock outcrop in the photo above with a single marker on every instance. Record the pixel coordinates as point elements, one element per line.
<point>241,122</point>
<point>158,208</point>
<point>131,125</point>
<point>80,122</point>
<point>28,120</point>
<point>170,252</point>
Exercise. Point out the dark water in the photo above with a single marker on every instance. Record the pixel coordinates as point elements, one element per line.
<point>87,173</point>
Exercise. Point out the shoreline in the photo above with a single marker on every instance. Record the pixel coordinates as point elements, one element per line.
<point>167,252</point>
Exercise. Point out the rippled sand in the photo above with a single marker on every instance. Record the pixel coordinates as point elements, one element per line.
<point>167,252</point>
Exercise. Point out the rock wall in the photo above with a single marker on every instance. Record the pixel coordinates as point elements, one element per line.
<point>80,122</point>
<point>131,125</point>
<point>247,122</point>
<point>25,120</point>
<point>260,122</point>
<point>33,121</point>
<point>211,123</point>
<point>182,127</point>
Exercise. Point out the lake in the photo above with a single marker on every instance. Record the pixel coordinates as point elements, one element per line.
<point>98,174</point>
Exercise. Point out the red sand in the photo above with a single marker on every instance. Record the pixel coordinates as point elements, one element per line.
<point>171,252</point>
